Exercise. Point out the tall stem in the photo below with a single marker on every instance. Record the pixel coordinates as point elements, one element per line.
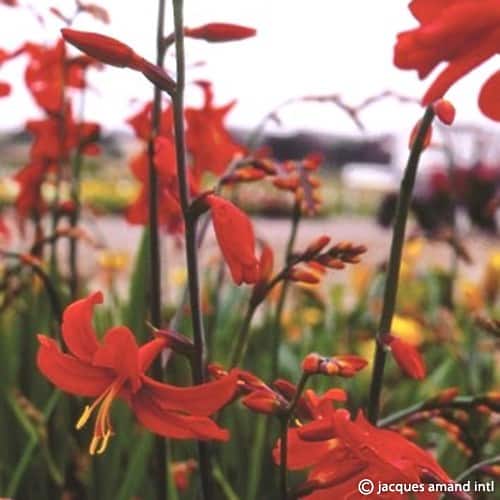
<point>75,213</point>
<point>161,444</point>
<point>283,293</point>
<point>198,365</point>
<point>392,277</point>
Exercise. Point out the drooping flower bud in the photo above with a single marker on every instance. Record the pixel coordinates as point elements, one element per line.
<point>407,357</point>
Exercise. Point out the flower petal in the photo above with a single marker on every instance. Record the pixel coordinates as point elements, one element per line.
<point>77,329</point>
<point>119,352</point>
<point>203,399</point>
<point>462,64</point>
<point>171,424</point>
<point>149,351</point>
<point>302,453</point>
<point>489,97</point>
<point>69,373</point>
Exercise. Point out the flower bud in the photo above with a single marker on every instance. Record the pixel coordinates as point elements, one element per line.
<point>407,357</point>
<point>343,366</point>
<point>303,275</point>
<point>266,402</point>
<point>445,111</point>
<point>317,430</point>
<point>220,32</point>
<point>101,47</point>
<point>317,245</point>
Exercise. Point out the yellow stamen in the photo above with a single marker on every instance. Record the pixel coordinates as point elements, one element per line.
<point>84,417</point>
<point>103,429</point>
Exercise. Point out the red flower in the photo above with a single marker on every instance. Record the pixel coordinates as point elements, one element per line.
<point>207,140</point>
<point>169,213</point>
<point>236,239</point>
<point>463,33</point>
<point>343,452</point>
<point>115,367</point>
<point>49,70</point>
<point>220,32</point>
<point>407,357</point>
<point>4,89</point>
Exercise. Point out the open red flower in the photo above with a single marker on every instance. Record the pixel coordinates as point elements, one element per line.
<point>463,33</point>
<point>115,367</point>
<point>353,450</point>
<point>209,143</point>
<point>236,239</point>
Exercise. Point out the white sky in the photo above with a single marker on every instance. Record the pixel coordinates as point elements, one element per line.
<point>302,47</point>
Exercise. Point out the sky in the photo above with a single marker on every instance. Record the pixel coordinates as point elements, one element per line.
<point>301,48</point>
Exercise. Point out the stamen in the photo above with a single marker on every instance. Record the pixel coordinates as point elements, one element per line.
<point>104,443</point>
<point>93,444</point>
<point>84,417</point>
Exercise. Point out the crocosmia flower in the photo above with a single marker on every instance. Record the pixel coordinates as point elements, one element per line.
<point>208,142</point>
<point>463,33</point>
<point>236,239</point>
<point>115,367</point>
<point>342,452</point>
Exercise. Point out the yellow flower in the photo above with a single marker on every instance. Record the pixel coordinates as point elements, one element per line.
<point>311,316</point>
<point>471,295</point>
<point>360,277</point>
<point>412,252</point>
<point>113,260</point>
<point>179,276</point>
<point>491,278</point>
<point>407,329</point>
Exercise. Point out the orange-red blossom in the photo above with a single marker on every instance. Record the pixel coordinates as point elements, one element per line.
<point>116,368</point>
<point>234,233</point>
<point>462,33</point>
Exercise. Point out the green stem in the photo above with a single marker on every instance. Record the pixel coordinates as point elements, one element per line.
<point>276,331</point>
<point>242,341</point>
<point>30,448</point>
<point>198,364</point>
<point>460,402</point>
<point>161,445</point>
<point>75,214</point>
<point>224,485</point>
<point>392,278</point>
<point>490,461</point>
<point>285,422</point>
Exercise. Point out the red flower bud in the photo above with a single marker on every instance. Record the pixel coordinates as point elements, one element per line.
<point>266,402</point>
<point>343,366</point>
<point>407,357</point>
<point>103,48</point>
<point>303,275</point>
<point>317,245</point>
<point>445,111</point>
<point>220,32</point>
<point>4,89</point>
<point>317,430</point>
<point>234,233</point>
